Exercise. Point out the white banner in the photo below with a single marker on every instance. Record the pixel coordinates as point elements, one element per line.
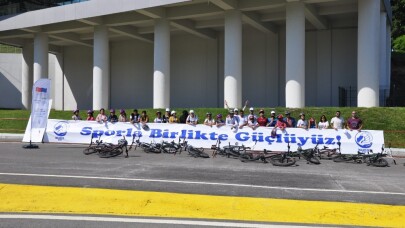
<point>204,136</point>
<point>39,111</point>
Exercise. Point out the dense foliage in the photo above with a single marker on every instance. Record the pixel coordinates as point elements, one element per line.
<point>398,25</point>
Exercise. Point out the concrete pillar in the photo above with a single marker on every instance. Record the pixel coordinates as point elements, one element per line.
<point>368,49</point>
<point>41,56</point>
<point>101,68</point>
<point>383,57</point>
<point>161,71</point>
<point>295,55</point>
<point>388,59</point>
<point>58,82</point>
<point>233,58</point>
<point>27,75</point>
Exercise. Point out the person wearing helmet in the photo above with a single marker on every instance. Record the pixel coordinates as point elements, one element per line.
<point>302,122</point>
<point>252,122</point>
<point>272,120</point>
<point>76,115</point>
<point>280,124</point>
<point>209,121</point>
<point>192,118</point>
<point>262,120</point>
<point>134,118</point>
<point>158,118</point>
<point>101,117</point>
<point>90,116</point>
<point>173,117</point>
<point>112,117</point>
<point>123,116</point>
<point>219,121</point>
<point>166,116</point>
<point>232,120</point>
<point>252,113</point>
<point>290,121</point>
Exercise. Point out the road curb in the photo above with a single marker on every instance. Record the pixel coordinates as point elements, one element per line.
<point>9,137</point>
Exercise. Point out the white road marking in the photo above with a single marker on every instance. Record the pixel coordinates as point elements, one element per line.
<point>205,183</point>
<point>140,220</point>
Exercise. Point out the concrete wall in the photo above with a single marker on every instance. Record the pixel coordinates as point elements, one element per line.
<point>197,72</point>
<point>10,81</point>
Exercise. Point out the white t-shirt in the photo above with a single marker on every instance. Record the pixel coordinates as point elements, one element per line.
<point>191,119</point>
<point>242,120</point>
<point>209,121</point>
<point>323,125</point>
<point>337,122</point>
<point>158,120</point>
<point>231,121</point>
<point>302,123</point>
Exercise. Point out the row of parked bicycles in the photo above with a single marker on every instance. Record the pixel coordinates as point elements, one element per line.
<point>241,152</point>
<point>107,150</point>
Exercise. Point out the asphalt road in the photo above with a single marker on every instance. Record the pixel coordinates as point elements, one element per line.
<point>66,165</point>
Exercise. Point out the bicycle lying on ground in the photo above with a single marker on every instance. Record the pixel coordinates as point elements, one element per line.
<point>115,150</point>
<point>328,153</point>
<point>106,150</point>
<point>307,154</point>
<point>147,147</point>
<point>196,152</point>
<point>370,158</point>
<point>284,158</point>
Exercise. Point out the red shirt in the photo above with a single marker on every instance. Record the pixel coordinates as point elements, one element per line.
<point>262,121</point>
<point>281,124</point>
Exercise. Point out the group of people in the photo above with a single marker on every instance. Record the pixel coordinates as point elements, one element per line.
<point>235,118</point>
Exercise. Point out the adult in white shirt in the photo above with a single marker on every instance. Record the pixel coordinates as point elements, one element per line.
<point>242,119</point>
<point>232,120</point>
<point>337,122</point>
<point>323,123</point>
<point>252,113</point>
<point>192,119</point>
<point>302,123</point>
<point>209,121</point>
<point>158,118</point>
<point>252,122</point>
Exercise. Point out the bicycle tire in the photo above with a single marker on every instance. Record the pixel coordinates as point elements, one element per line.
<point>90,150</point>
<point>112,153</point>
<point>313,160</point>
<point>202,154</point>
<point>380,162</point>
<point>341,158</point>
<point>280,160</point>
<point>169,149</point>
<point>244,158</point>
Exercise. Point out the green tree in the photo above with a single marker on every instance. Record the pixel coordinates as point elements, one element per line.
<point>399,44</point>
<point>398,18</point>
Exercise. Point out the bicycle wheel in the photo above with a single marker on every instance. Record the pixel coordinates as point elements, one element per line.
<point>90,150</point>
<point>169,149</point>
<point>342,158</point>
<point>244,157</point>
<point>280,160</point>
<point>202,154</point>
<point>313,160</point>
<point>112,153</point>
<point>380,162</point>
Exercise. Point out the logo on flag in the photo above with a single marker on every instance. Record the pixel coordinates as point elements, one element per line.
<point>40,90</point>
